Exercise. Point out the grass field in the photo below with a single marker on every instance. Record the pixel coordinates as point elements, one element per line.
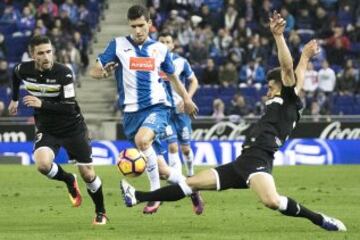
<point>35,208</point>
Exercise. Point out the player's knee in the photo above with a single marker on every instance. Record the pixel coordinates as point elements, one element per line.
<point>43,160</point>
<point>271,202</point>
<point>185,150</point>
<point>142,142</point>
<point>173,148</point>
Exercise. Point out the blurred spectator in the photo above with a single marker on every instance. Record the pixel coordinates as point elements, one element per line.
<point>218,112</point>
<point>185,34</point>
<point>252,73</point>
<point>338,36</point>
<point>74,60</point>
<point>198,53</point>
<point>40,25</point>
<point>83,24</point>
<point>3,109</point>
<point>236,54</point>
<point>209,17</point>
<point>48,8</point>
<point>211,74</point>
<point>67,26</point>
<point>228,75</point>
<point>290,20</point>
<point>83,49</point>
<point>238,106</point>
<point>72,10</point>
<point>327,78</point>
<point>230,18</point>
<point>27,21</point>
<point>304,20</point>
<point>346,82</point>
<point>242,32</point>
<point>336,54</point>
<point>10,14</point>
<point>174,22</point>
<point>4,74</point>
<point>322,30</point>
<point>222,41</point>
<point>311,82</point>
<point>2,46</point>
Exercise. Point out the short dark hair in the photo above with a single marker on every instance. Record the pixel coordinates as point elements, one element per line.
<point>274,74</point>
<point>166,34</point>
<point>137,11</point>
<point>38,40</point>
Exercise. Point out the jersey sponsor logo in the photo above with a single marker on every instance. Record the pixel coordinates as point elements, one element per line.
<point>42,90</point>
<point>142,64</point>
<point>127,50</point>
<point>69,91</point>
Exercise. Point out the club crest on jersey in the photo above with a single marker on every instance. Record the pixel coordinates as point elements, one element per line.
<point>142,64</point>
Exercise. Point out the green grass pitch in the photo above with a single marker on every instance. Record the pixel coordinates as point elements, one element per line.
<point>33,207</point>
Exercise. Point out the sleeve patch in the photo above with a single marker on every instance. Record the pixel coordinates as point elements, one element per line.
<point>69,90</point>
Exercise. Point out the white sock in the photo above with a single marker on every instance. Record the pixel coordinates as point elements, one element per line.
<point>175,162</point>
<point>189,162</point>
<point>175,177</point>
<point>53,171</point>
<point>152,168</point>
<point>283,203</point>
<point>185,188</point>
<point>94,185</point>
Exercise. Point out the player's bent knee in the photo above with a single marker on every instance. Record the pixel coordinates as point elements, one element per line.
<point>173,148</point>
<point>142,143</point>
<point>43,159</point>
<point>185,150</point>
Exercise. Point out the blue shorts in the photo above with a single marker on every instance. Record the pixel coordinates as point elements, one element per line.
<point>179,129</point>
<point>155,117</point>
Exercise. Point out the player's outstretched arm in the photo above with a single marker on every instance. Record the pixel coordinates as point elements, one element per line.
<point>277,27</point>
<point>310,49</point>
<point>98,71</point>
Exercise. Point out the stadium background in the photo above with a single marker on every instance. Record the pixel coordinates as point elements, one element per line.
<point>230,49</point>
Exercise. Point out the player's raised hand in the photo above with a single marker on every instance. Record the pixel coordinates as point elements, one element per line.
<point>190,108</point>
<point>31,101</point>
<point>13,107</point>
<point>311,49</point>
<point>277,24</point>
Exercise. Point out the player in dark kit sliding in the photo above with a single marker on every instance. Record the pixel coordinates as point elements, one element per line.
<point>252,169</point>
<point>59,122</point>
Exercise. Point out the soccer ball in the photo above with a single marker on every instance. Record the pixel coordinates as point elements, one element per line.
<point>131,162</point>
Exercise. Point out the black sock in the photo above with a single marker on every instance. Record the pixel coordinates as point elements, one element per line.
<point>61,175</point>
<point>98,199</point>
<point>296,210</point>
<point>167,194</point>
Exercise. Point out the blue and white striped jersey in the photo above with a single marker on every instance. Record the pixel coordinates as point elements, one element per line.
<point>183,71</point>
<point>138,82</point>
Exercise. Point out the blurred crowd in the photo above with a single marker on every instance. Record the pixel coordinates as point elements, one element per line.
<point>229,45</point>
<point>70,24</point>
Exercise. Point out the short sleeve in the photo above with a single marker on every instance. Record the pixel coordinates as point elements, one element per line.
<point>109,54</point>
<point>167,65</point>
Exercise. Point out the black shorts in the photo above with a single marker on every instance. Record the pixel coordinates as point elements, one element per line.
<point>236,174</point>
<point>77,146</point>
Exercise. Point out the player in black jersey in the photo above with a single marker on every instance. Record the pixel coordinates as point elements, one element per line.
<point>59,122</point>
<point>252,169</point>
